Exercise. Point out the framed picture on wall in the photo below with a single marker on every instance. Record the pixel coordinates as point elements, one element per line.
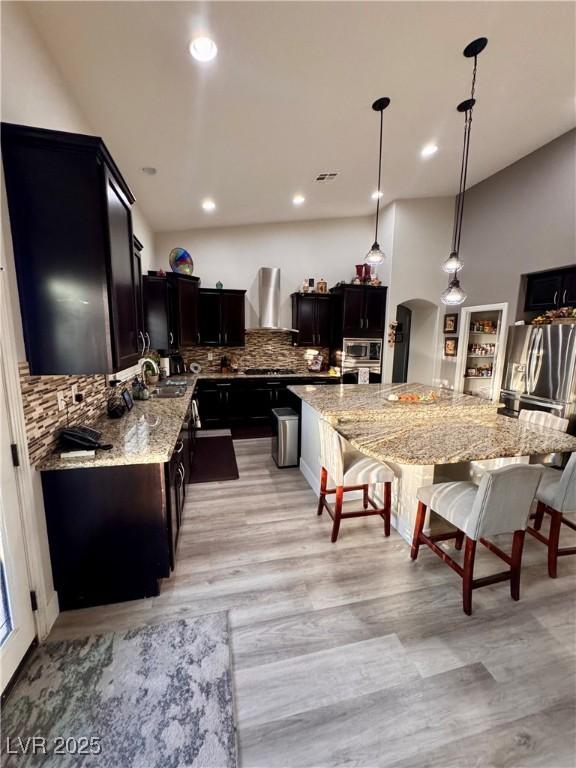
<point>451,323</point>
<point>451,347</point>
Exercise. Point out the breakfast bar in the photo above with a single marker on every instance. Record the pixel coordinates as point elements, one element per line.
<point>425,435</point>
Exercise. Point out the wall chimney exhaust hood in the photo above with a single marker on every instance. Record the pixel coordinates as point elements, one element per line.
<point>269,300</point>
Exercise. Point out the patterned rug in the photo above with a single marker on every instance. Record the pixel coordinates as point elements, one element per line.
<point>151,697</point>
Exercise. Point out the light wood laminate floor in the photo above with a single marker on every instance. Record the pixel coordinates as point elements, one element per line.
<point>349,654</point>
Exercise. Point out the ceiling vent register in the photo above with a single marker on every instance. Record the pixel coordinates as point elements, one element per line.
<point>325,178</point>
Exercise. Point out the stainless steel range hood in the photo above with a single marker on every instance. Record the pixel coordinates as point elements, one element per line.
<point>269,300</point>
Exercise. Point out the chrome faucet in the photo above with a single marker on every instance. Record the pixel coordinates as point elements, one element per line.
<point>152,362</point>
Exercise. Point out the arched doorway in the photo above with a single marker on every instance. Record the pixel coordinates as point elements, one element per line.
<point>415,352</point>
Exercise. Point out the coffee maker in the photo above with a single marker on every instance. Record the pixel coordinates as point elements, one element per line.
<point>176,364</point>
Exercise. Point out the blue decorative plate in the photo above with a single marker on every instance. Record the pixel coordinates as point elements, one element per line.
<point>181,261</point>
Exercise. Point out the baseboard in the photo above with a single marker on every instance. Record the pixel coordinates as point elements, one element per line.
<point>48,616</point>
<point>311,478</point>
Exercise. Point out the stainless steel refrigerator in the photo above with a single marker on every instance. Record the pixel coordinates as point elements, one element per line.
<point>540,371</point>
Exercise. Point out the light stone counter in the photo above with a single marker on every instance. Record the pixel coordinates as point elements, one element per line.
<point>145,435</point>
<point>453,437</point>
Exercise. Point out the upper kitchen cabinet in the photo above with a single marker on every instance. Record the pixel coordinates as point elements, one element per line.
<point>171,311</point>
<point>312,318</point>
<point>359,311</point>
<point>74,252</point>
<point>221,317</point>
<point>552,289</point>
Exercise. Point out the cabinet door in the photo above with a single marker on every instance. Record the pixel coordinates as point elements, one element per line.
<point>137,271</point>
<point>250,403</point>
<point>323,321</point>
<point>122,279</point>
<point>156,312</point>
<point>213,405</point>
<point>543,291</point>
<point>187,292</point>
<point>374,311</point>
<point>353,311</point>
<point>209,318</point>
<point>306,319</point>
<point>568,298</point>
<point>233,322</point>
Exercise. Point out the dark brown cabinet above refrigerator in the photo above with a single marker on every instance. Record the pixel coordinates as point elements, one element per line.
<point>74,252</point>
<point>221,317</point>
<point>171,311</point>
<point>552,289</point>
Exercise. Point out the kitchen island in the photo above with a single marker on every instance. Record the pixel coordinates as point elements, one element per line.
<point>450,436</point>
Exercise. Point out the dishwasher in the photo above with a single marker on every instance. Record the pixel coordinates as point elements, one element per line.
<point>285,439</point>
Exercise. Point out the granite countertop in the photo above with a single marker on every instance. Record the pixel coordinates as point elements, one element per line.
<point>146,435</point>
<point>241,375</point>
<point>453,428</point>
<point>369,402</point>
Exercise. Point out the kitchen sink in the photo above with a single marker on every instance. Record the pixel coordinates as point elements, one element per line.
<point>169,392</point>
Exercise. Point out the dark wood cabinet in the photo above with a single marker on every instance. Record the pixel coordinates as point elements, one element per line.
<point>552,289</point>
<point>312,317</point>
<point>221,317</point>
<point>143,336</point>
<point>175,473</point>
<point>118,548</point>
<point>359,311</point>
<point>171,311</point>
<point>73,246</point>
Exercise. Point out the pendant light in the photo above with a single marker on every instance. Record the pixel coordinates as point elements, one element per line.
<point>454,294</point>
<point>375,256</point>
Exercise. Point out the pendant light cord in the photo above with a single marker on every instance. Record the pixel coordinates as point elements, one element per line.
<point>379,191</point>
<point>459,206</point>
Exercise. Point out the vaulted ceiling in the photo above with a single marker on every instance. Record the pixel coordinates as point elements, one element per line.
<point>289,96</point>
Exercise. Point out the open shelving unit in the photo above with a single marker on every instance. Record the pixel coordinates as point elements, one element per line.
<point>481,349</point>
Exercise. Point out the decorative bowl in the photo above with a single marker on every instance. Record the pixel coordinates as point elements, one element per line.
<point>181,261</point>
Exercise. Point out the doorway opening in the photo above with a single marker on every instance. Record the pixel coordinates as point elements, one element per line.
<point>415,350</point>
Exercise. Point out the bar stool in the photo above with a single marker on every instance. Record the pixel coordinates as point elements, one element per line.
<point>556,495</point>
<point>499,504</point>
<point>351,471</point>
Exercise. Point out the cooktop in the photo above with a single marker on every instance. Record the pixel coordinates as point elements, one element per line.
<point>269,371</point>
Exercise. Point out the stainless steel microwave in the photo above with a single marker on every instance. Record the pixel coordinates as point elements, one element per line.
<point>362,352</point>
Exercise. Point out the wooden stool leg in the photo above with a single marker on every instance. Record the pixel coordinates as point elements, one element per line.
<point>517,546</point>
<point>418,528</point>
<point>459,540</point>
<point>323,483</point>
<point>539,517</point>
<point>365,496</point>
<point>337,512</point>
<point>553,541</point>
<point>469,553</point>
<point>387,507</point>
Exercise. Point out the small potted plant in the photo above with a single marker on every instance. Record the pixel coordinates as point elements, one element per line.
<point>150,374</point>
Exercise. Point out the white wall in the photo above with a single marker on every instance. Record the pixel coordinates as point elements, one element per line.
<point>422,231</point>
<point>522,219</point>
<point>328,248</point>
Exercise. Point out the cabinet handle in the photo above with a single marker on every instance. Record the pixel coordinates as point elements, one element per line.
<point>366,321</point>
<point>555,297</point>
<point>171,337</point>
<point>179,446</point>
<point>564,296</point>
<point>143,342</point>
<point>198,337</point>
<point>148,340</point>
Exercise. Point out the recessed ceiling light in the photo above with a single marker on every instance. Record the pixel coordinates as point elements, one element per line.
<point>428,150</point>
<point>203,49</point>
<point>149,170</point>
<point>376,194</point>
<point>298,199</point>
<point>208,205</point>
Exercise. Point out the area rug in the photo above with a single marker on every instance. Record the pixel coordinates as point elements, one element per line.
<point>214,459</point>
<point>152,697</point>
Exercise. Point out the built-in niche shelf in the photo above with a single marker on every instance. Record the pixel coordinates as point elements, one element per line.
<point>481,349</point>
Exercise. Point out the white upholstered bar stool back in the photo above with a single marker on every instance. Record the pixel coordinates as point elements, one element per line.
<point>499,504</point>
<point>548,421</point>
<point>556,496</point>
<point>350,470</point>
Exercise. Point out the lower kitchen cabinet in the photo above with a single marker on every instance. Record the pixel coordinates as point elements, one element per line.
<point>246,401</point>
<point>113,531</point>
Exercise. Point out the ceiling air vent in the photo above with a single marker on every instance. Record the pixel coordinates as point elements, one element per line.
<point>324,178</point>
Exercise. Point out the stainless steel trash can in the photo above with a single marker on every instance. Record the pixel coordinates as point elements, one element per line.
<point>285,440</point>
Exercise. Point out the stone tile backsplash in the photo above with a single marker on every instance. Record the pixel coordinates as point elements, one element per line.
<point>43,419</point>
<point>264,349</point>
